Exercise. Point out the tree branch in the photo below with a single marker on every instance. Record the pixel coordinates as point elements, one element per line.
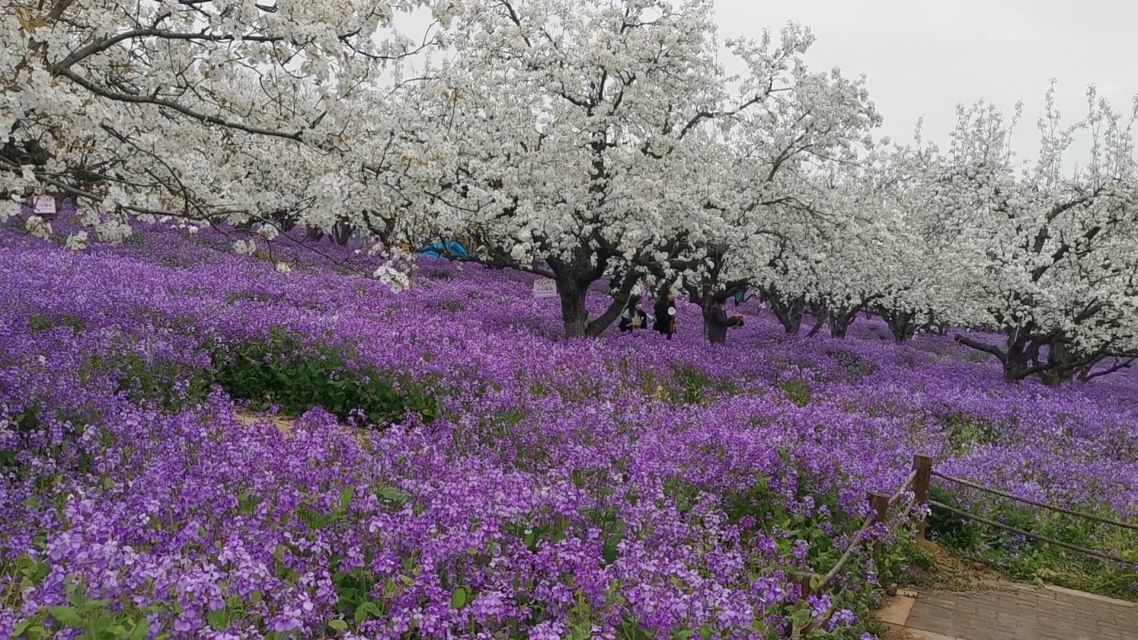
<point>980,346</point>
<point>122,97</point>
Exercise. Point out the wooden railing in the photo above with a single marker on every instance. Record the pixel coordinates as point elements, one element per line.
<point>917,487</point>
<point>1102,555</point>
<point>882,508</point>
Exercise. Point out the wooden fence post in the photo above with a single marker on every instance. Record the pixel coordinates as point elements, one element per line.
<point>880,506</point>
<point>923,465</point>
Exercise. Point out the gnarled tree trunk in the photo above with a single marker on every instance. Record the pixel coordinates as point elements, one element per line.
<point>1050,357</point>
<point>789,310</point>
<point>840,323</point>
<point>902,324</point>
<point>842,318</point>
<point>574,313</point>
<point>573,279</point>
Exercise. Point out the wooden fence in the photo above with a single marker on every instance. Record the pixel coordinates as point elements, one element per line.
<point>883,509</point>
<point>917,489</point>
<point>934,504</point>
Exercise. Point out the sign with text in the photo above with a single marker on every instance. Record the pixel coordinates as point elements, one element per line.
<point>44,204</point>
<point>544,288</point>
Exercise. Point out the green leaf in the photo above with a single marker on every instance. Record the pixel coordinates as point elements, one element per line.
<point>365,610</point>
<point>76,598</point>
<point>217,619</point>
<point>800,618</point>
<point>66,616</point>
<point>338,625</point>
<point>20,627</point>
<point>346,497</point>
<point>393,495</point>
<point>459,598</point>
<point>705,632</point>
<point>140,630</point>
<point>41,571</point>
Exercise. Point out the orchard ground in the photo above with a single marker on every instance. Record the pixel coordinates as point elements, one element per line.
<point>450,467</point>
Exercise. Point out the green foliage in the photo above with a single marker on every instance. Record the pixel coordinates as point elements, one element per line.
<point>170,385</point>
<point>854,365</point>
<point>966,432</point>
<point>797,391</point>
<point>277,370</point>
<point>691,385</point>
<point>393,497</point>
<point>1024,559</point>
<point>247,296</point>
<point>950,528</point>
<point>460,598</point>
<point>92,619</point>
<point>39,322</point>
<point>532,534</point>
<point>281,371</point>
<point>902,562</point>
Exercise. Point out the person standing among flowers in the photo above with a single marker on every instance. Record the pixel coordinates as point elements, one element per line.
<point>665,311</point>
<point>718,320</point>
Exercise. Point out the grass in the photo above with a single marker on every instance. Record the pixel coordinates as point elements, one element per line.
<point>1020,558</point>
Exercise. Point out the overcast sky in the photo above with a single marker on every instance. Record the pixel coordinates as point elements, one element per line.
<point>923,58</point>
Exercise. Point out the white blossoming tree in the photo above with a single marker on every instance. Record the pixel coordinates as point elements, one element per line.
<point>562,116</point>
<point>583,132</point>
<point>1050,252</point>
<point>207,109</point>
<point>886,254</point>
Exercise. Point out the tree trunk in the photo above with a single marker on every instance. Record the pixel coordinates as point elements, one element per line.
<point>700,295</point>
<point>1065,363</point>
<point>903,324</point>
<point>1021,358</point>
<point>285,221</point>
<point>841,320</point>
<point>619,300</point>
<point>573,284</point>
<point>788,310</point>
<point>840,325</point>
<point>821,315</point>
<point>574,313</point>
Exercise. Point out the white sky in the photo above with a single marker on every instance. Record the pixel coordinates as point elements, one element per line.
<point>923,58</point>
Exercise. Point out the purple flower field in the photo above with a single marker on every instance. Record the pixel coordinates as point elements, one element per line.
<point>497,481</point>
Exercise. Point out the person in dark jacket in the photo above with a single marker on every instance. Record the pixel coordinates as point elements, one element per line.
<point>665,310</point>
<point>633,316</point>
<point>718,320</point>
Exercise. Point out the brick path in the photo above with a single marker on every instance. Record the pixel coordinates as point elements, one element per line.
<point>1016,613</point>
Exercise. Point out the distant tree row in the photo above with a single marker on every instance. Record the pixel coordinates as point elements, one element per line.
<point>601,140</point>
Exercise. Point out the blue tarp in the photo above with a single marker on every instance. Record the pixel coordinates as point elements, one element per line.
<point>447,249</point>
